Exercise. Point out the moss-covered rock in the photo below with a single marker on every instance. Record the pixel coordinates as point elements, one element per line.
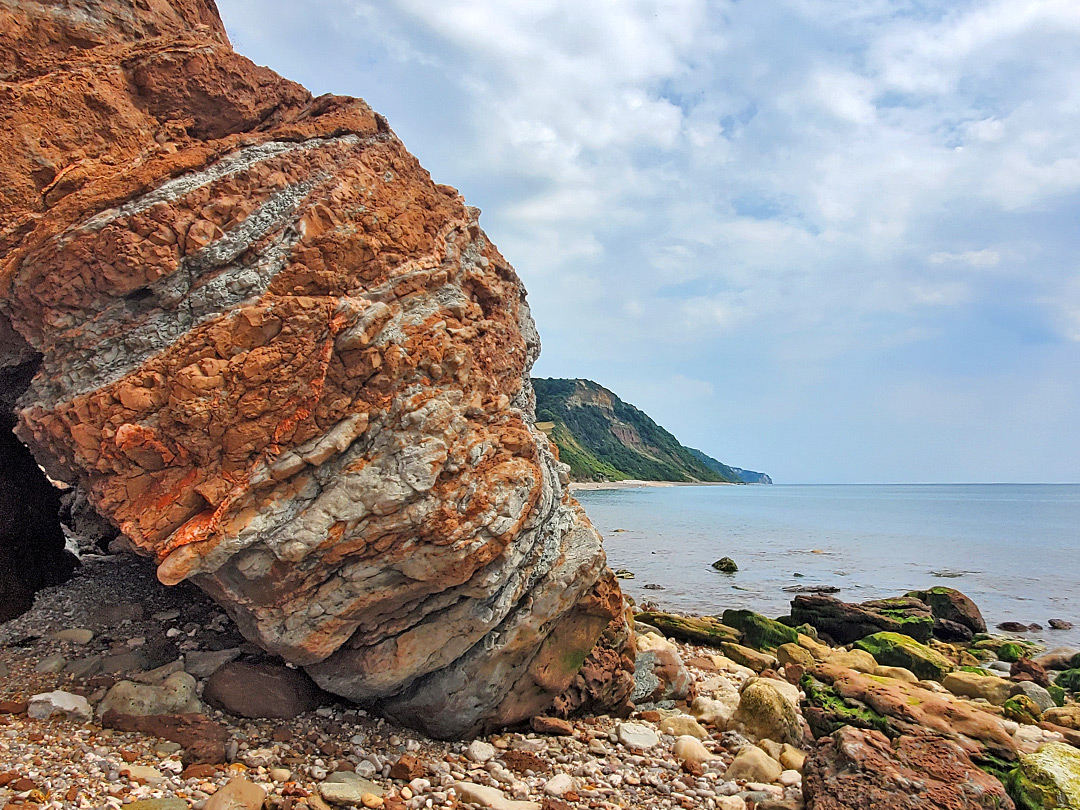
<point>898,650</point>
<point>1022,709</point>
<point>725,565</point>
<point>758,631</point>
<point>950,605</point>
<point>826,711</point>
<point>764,713</point>
<point>1057,694</point>
<point>1049,779</point>
<point>1069,680</point>
<point>1010,652</point>
<point>706,630</point>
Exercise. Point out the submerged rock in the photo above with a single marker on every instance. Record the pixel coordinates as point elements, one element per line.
<point>290,368</point>
<point>726,565</point>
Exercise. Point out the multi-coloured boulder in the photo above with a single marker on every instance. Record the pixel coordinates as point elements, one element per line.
<point>289,367</point>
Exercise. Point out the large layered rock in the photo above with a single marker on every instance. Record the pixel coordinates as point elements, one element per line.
<point>289,367</point>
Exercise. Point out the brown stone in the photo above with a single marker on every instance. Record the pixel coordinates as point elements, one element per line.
<point>407,768</point>
<point>521,761</point>
<point>552,725</point>
<point>22,784</point>
<point>292,369</point>
<point>860,769</point>
<point>1031,671</point>
<point>13,706</point>
<point>199,771</point>
<point>203,740</point>
<point>263,689</point>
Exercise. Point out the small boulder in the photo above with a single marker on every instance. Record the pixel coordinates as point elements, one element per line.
<point>1060,624</point>
<point>1034,692</point>
<point>471,793</point>
<point>725,565</point>
<point>752,764</point>
<point>858,660</point>
<point>706,630</point>
<point>559,784</point>
<point>689,749</point>
<point>896,673</point>
<point>971,685</point>
<point>679,725</point>
<point>1048,778</point>
<point>1057,658</point>
<point>64,704</point>
<point>713,712</point>
<point>555,726</point>
<point>263,689</point>
<point>238,794</point>
<point>1021,709</point>
<point>759,632</point>
<point>203,739</point>
<point>898,650</point>
<point>765,713</point>
<point>1025,666</point>
<point>794,654</point>
<point>175,695</point>
<point>845,622</point>
<point>636,736</point>
<point>792,758</point>
<point>1066,716</point>
<point>950,605</point>
<point>1069,680</point>
<point>480,752</point>
<point>747,657</point>
<point>76,635</point>
<point>346,787</point>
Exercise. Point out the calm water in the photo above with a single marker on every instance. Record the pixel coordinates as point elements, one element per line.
<point>1016,547</point>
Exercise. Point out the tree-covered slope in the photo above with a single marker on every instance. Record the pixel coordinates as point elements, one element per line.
<point>603,438</point>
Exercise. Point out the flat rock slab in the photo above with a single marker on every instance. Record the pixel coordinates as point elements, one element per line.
<point>637,736</point>
<point>860,769</point>
<point>345,787</point>
<point>485,796</point>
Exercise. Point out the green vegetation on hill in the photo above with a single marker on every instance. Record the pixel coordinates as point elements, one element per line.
<point>603,438</point>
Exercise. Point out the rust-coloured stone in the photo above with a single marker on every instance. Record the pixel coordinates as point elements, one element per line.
<point>861,769</point>
<point>202,738</point>
<point>290,368</point>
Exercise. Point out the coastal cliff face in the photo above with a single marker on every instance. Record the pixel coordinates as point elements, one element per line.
<point>290,368</point>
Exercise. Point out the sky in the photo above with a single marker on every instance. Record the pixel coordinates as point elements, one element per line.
<point>831,241</point>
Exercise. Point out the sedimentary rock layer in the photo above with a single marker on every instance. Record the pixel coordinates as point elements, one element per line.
<point>288,366</point>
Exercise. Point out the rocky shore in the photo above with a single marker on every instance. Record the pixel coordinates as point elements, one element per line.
<point>119,692</point>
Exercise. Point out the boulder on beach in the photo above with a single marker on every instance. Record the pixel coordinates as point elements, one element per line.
<point>706,630</point>
<point>759,632</point>
<point>288,366</point>
<point>951,605</point>
<point>860,769</point>
<point>845,622</point>
<point>899,650</point>
<point>1048,778</point>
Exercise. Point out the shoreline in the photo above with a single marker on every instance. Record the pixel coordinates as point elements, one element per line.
<point>633,483</point>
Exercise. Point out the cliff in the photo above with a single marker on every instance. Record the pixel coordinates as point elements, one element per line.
<point>603,438</point>
<point>291,369</point>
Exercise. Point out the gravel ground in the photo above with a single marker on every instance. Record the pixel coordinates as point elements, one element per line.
<point>140,625</point>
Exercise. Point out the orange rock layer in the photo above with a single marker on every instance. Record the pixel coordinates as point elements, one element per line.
<point>289,367</point>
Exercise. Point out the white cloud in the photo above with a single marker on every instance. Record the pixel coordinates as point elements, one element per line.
<point>972,258</point>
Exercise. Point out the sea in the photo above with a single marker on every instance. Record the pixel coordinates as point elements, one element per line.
<point>1013,548</point>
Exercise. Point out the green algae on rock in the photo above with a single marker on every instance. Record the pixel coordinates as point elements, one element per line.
<point>1048,779</point>
<point>1022,709</point>
<point>898,650</point>
<point>759,631</point>
<point>1069,680</point>
<point>700,630</point>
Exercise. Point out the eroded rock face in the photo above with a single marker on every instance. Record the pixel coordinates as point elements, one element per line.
<point>289,367</point>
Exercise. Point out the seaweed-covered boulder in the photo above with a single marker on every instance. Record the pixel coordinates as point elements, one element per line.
<point>1048,779</point>
<point>766,714</point>
<point>836,697</point>
<point>898,650</point>
<point>759,632</point>
<point>845,622</point>
<point>1069,680</point>
<point>950,605</point>
<point>707,630</point>
<point>858,769</point>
